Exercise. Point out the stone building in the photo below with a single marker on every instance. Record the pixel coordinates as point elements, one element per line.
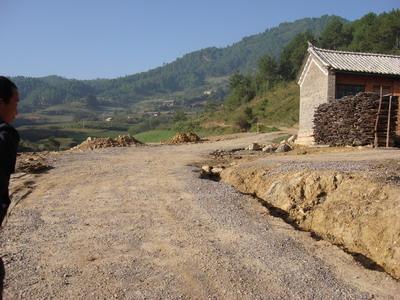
<point>328,75</point>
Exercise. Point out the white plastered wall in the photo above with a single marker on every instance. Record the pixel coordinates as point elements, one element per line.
<point>315,86</point>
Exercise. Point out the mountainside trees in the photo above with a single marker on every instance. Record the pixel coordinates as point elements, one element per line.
<point>371,33</point>
<point>264,59</point>
<point>184,74</point>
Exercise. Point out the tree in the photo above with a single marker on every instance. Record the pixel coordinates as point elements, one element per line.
<point>389,32</point>
<point>179,116</point>
<point>336,35</point>
<point>293,54</point>
<point>365,34</point>
<point>267,73</point>
<point>241,90</point>
<point>91,101</point>
<point>243,119</point>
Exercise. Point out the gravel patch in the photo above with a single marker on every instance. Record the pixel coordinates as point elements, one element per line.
<point>281,260</point>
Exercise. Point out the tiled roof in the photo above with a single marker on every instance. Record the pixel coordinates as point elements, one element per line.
<point>357,61</point>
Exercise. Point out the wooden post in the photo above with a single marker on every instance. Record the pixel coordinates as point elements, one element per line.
<point>388,123</point>
<point>377,119</point>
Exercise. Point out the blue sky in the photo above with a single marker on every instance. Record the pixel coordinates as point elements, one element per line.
<point>88,39</point>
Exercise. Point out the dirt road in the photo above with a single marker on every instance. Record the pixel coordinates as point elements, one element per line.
<point>137,223</point>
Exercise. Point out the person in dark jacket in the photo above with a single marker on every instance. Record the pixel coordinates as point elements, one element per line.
<point>9,140</point>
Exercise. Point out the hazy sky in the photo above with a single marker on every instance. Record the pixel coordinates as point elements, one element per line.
<point>87,39</point>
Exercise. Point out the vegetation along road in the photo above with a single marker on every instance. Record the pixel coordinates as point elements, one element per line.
<point>138,223</point>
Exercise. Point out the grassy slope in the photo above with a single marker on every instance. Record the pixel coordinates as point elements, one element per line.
<point>277,107</point>
<point>155,136</point>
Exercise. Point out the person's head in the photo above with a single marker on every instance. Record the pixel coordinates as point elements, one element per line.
<point>9,98</point>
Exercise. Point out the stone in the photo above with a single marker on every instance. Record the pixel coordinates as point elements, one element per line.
<point>292,139</point>
<point>338,178</point>
<point>269,149</point>
<point>217,170</point>
<point>206,169</point>
<point>283,148</point>
<point>254,147</point>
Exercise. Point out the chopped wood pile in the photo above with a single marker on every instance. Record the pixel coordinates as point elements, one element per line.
<point>97,143</point>
<point>351,121</point>
<point>181,138</point>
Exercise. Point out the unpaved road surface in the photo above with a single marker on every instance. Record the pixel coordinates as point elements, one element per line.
<point>138,223</point>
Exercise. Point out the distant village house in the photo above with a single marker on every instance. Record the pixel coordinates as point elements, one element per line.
<point>168,103</point>
<point>152,113</point>
<point>328,75</point>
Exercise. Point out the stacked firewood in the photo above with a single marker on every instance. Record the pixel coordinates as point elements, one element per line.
<point>352,120</point>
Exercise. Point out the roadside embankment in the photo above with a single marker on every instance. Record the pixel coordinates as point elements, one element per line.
<point>349,209</point>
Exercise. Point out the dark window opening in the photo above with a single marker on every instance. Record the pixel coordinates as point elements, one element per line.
<point>348,90</point>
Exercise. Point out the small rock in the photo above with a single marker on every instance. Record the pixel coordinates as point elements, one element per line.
<point>254,147</point>
<point>339,178</point>
<point>206,168</point>
<point>283,148</point>
<point>269,149</point>
<point>217,170</point>
<point>292,139</point>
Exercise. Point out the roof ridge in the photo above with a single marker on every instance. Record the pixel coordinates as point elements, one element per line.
<point>356,61</point>
<point>353,53</point>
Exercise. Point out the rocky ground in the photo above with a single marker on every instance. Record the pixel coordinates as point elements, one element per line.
<point>138,223</point>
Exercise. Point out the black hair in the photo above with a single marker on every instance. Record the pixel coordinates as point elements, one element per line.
<point>7,88</point>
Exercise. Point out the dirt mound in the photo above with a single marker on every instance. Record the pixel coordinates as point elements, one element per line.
<point>97,143</point>
<point>181,138</point>
<point>349,210</point>
<point>32,162</point>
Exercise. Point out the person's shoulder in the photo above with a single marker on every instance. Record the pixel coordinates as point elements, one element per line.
<point>7,130</point>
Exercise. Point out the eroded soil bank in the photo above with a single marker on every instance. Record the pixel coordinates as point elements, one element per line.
<point>353,209</point>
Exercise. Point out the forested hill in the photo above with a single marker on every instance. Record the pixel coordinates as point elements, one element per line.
<point>188,75</point>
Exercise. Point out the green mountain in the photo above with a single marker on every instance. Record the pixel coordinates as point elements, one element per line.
<point>270,96</point>
<point>184,79</point>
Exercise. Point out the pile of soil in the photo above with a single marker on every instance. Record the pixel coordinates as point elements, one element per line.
<point>32,162</point>
<point>181,138</point>
<point>97,143</point>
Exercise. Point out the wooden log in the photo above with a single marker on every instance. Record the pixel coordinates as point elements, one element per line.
<point>352,120</point>
<point>377,119</point>
<point>388,124</point>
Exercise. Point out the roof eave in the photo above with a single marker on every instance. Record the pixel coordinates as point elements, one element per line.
<point>312,53</point>
<point>365,73</point>
<point>324,62</point>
